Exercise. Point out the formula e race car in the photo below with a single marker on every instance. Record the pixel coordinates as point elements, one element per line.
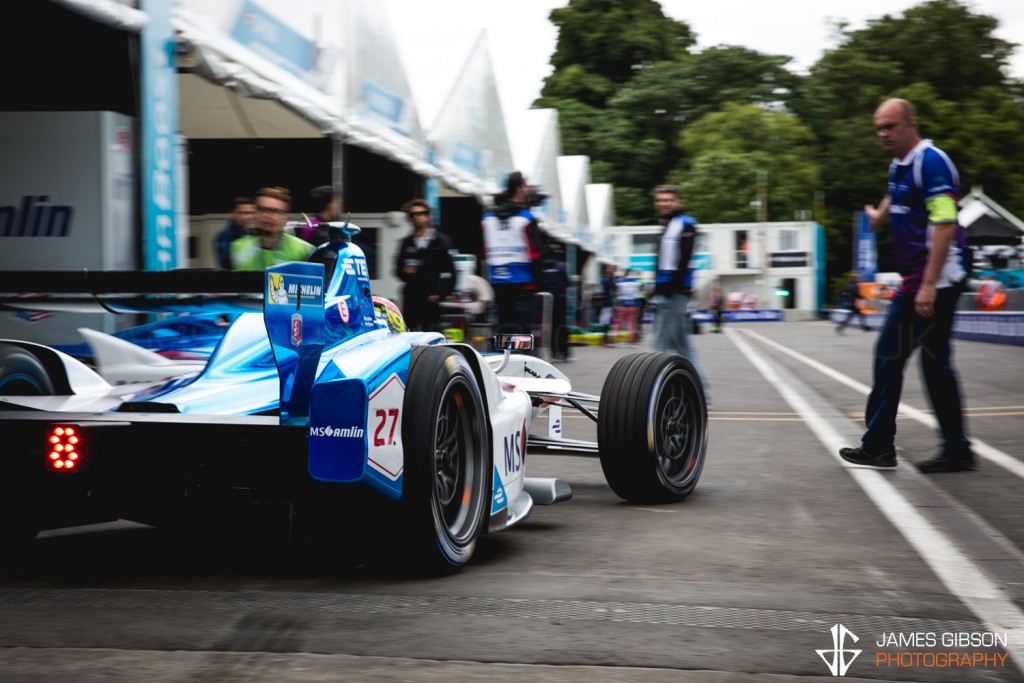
<point>310,401</point>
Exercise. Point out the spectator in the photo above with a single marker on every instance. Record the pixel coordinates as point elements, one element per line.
<point>604,304</point>
<point>929,246</point>
<point>717,305</point>
<point>555,280</point>
<point>425,264</point>
<point>629,302</point>
<point>326,208</point>
<point>850,298</point>
<point>674,282</point>
<point>240,225</point>
<point>271,244</point>
<point>512,250</point>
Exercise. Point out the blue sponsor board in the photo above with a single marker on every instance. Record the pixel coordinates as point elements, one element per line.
<point>867,250</point>
<point>264,34</point>
<point>997,328</point>
<point>467,157</point>
<point>383,103</point>
<point>159,113</point>
<point>1001,328</point>
<point>764,315</point>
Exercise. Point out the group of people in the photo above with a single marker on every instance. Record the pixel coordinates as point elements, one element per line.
<point>930,251</point>
<point>929,248</point>
<point>255,236</point>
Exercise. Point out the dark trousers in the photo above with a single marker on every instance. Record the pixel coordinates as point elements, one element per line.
<point>517,309</point>
<point>559,329</point>
<point>855,311</point>
<point>421,315</point>
<point>902,332</point>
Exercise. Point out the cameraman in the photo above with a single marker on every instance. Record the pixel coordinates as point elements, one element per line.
<point>512,250</point>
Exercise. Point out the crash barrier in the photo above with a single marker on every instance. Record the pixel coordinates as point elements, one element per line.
<point>1001,327</point>
<point>741,315</point>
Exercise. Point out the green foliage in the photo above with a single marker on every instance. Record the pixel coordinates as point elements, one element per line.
<point>614,38</point>
<point>730,147</point>
<point>632,96</point>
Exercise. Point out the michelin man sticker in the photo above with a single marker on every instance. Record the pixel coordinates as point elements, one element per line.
<point>277,293</point>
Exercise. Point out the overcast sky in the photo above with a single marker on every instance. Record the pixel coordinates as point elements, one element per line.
<point>436,36</point>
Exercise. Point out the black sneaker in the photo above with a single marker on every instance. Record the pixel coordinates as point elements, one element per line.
<point>948,463</point>
<point>858,456</point>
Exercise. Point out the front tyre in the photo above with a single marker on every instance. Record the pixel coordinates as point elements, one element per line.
<point>447,481</point>
<point>652,428</point>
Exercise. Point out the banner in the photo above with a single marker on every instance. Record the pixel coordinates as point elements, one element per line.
<point>866,255</point>
<point>159,138</point>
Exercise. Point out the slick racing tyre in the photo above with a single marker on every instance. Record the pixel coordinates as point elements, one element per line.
<point>652,428</point>
<point>21,373</point>
<point>446,490</point>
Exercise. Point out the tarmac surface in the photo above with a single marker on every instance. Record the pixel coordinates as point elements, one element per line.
<point>780,545</point>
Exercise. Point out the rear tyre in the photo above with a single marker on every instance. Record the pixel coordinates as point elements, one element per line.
<point>652,428</point>
<point>446,487</point>
<point>21,373</point>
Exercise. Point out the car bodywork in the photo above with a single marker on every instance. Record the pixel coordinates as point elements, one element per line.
<point>312,402</point>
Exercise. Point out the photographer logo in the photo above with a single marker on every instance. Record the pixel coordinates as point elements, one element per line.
<point>839,665</point>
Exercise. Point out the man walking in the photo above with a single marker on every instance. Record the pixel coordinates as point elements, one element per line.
<point>674,280</point>
<point>929,247</point>
<point>849,297</point>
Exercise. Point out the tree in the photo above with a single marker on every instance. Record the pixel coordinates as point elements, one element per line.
<point>946,60</point>
<point>613,38</point>
<point>728,148</point>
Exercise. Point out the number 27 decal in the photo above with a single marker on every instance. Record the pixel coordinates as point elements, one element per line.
<point>384,416</point>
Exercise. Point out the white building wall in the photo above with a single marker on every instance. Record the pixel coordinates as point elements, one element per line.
<point>769,245</point>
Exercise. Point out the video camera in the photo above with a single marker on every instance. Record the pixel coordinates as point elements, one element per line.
<point>535,196</point>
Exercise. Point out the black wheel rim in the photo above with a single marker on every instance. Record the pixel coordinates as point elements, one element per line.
<point>678,428</point>
<point>455,470</point>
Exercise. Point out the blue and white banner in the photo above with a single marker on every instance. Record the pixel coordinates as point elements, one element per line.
<point>767,315</point>
<point>159,114</point>
<point>866,256</point>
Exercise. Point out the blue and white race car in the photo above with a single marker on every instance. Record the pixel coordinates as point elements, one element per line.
<point>313,406</point>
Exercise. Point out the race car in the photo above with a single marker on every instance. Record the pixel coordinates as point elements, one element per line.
<point>317,410</point>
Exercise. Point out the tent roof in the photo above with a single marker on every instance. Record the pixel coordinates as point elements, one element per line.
<point>989,229</point>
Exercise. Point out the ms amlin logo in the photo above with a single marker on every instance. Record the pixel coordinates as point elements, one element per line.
<point>839,664</point>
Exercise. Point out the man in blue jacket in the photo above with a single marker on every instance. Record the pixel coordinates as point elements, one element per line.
<point>674,280</point>
<point>929,246</point>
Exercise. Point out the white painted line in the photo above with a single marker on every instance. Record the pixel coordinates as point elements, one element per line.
<point>958,574</point>
<point>981,449</point>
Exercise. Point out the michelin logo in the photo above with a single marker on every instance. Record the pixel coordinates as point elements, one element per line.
<point>337,432</point>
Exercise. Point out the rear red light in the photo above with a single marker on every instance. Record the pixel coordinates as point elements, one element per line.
<point>61,448</point>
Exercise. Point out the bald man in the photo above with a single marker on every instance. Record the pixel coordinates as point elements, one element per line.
<point>929,246</point>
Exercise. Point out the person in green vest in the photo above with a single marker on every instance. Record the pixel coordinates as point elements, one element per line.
<point>270,244</point>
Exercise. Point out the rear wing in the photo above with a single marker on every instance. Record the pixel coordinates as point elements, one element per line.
<point>111,291</point>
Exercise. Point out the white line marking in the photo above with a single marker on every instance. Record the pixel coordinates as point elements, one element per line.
<point>982,449</point>
<point>960,576</point>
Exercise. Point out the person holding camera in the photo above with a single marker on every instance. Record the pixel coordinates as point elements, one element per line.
<point>512,251</point>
